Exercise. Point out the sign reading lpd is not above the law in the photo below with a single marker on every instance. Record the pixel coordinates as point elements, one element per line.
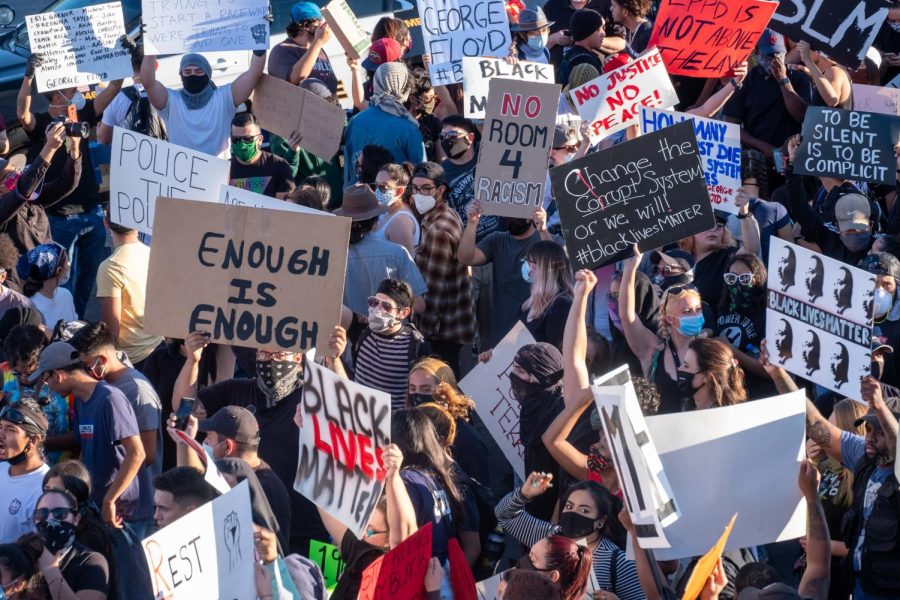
<point>249,276</point>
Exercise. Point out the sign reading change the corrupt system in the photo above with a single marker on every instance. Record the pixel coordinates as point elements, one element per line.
<point>346,427</point>
<point>182,26</point>
<point>848,144</point>
<point>650,191</point>
<point>819,317</point>
<point>516,141</point>
<point>479,72</point>
<point>842,29</point>
<point>79,46</point>
<point>704,38</point>
<point>247,276</point>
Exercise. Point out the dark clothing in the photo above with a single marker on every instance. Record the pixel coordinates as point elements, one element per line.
<point>887,40</point>
<point>279,500</point>
<point>574,56</point>
<point>268,176</point>
<point>745,331</point>
<point>430,128</point>
<point>85,570</point>
<point>708,275</point>
<point>829,489</point>
<point>560,12</point>
<point>826,200</point>
<point>432,505</point>
<point>670,400</point>
<point>461,191</point>
<point>637,42</point>
<point>550,326</point>
<point>357,555</point>
<point>470,452</point>
<point>759,107</point>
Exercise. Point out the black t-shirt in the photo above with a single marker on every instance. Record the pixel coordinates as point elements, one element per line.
<point>279,500</point>
<point>87,195</point>
<point>430,128</point>
<point>461,191</point>
<point>469,451</point>
<point>357,556</point>
<point>745,332</point>
<point>639,39</point>
<point>551,325</point>
<point>760,108</point>
<point>268,176</point>
<point>708,276</point>
<point>85,570</point>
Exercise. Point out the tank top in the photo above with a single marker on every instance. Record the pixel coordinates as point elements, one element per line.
<point>669,396</point>
<point>385,221</point>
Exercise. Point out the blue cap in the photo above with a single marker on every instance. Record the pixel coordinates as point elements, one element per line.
<point>771,42</point>
<point>40,262</point>
<point>305,11</point>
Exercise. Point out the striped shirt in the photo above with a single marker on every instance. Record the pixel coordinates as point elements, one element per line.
<point>529,530</point>
<point>382,362</point>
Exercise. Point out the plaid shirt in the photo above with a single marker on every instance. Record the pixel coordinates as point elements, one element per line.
<point>448,312</point>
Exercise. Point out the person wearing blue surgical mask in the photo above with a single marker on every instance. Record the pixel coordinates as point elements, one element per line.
<point>532,36</point>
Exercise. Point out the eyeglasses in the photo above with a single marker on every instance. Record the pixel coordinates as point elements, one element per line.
<point>266,355</point>
<point>425,189</point>
<point>732,278</point>
<point>452,135</point>
<point>374,302</point>
<point>569,149</point>
<point>237,139</point>
<point>14,415</point>
<point>59,513</point>
<point>371,532</point>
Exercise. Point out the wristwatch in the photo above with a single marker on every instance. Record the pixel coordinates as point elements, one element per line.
<point>784,81</point>
<point>735,84</point>
<point>745,215</point>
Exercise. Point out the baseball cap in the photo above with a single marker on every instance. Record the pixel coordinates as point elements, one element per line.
<point>880,343</point>
<point>673,258</point>
<point>771,42</point>
<point>852,211</point>
<point>881,263</point>
<point>57,355</point>
<point>432,171</point>
<point>382,51</point>
<point>564,136</point>
<point>773,591</point>
<point>871,418</point>
<point>30,420</point>
<point>234,422</point>
<point>305,11</point>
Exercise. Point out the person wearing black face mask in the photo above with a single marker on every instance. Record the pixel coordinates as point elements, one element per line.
<point>22,432</point>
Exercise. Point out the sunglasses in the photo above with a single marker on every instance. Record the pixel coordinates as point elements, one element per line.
<point>14,415</point>
<point>374,302</point>
<point>452,135</point>
<point>237,139</point>
<point>732,278</point>
<point>384,187</point>
<point>59,513</point>
<point>569,149</point>
<point>371,532</point>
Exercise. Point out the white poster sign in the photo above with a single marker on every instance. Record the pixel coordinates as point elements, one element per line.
<point>488,385</point>
<point>819,317</point>
<point>143,168</point>
<point>79,46</point>
<point>477,73</point>
<point>876,99</point>
<point>208,553</point>
<point>228,194</point>
<point>180,26</point>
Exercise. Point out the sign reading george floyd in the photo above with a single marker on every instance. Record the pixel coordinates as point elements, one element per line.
<point>479,72</point>
<point>720,150</point>
<point>79,46</point>
<point>143,168</point>
<point>613,101</point>
<point>346,427</point>
<point>401,572</point>
<point>516,141</point>
<point>819,317</point>
<point>248,276</point>
<point>650,191</point>
<point>848,144</point>
<point>453,29</point>
<point>843,30</point>
<point>182,26</point>
<point>707,38</point>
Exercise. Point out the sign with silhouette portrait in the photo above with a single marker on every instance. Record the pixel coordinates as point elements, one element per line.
<point>819,317</point>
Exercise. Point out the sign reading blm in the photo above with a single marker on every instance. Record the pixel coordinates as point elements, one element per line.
<point>650,191</point>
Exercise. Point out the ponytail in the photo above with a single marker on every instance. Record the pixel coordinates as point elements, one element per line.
<point>31,286</point>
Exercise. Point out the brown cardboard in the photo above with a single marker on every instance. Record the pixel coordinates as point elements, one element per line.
<point>346,28</point>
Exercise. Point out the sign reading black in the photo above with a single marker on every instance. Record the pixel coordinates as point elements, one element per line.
<point>848,144</point>
<point>649,191</point>
<point>842,29</point>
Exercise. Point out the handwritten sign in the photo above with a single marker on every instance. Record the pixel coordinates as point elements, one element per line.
<point>517,137</point>
<point>872,98</point>
<point>453,29</point>
<point>143,168</point>
<point>720,151</point>
<point>182,26</point>
<point>208,553</point>
<point>848,144</point>
<point>248,276</point>
<point>819,317</point>
<point>613,101</point>
<point>488,383</point>
<point>329,559</point>
<point>234,196</point>
<point>80,46</point>
<point>650,191</point>
<point>401,572</point>
<point>842,30</point>
<point>707,39</point>
<point>283,108</point>
<point>478,72</point>
<point>346,28</point>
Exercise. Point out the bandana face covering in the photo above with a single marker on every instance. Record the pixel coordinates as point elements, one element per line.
<point>277,379</point>
<point>57,535</point>
<point>597,463</point>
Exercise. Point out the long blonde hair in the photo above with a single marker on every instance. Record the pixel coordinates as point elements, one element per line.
<point>663,328</point>
<point>846,412</point>
<point>446,393</point>
<point>551,277</point>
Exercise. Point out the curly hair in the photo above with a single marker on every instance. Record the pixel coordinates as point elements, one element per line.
<point>9,254</point>
<point>444,423</point>
<point>24,344</point>
<point>446,393</point>
<point>758,269</point>
<point>92,337</point>
<point>638,8</point>
<point>725,377</point>
<point>401,175</point>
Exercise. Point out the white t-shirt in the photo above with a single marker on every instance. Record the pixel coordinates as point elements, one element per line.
<point>207,130</point>
<point>18,495</point>
<point>61,306</point>
<point>115,113</point>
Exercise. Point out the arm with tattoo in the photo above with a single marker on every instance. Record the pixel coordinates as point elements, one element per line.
<point>817,577</point>
<point>819,430</point>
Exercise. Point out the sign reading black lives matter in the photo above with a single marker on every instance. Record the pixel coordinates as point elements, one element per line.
<point>819,317</point>
<point>848,144</point>
<point>650,191</point>
<point>842,29</point>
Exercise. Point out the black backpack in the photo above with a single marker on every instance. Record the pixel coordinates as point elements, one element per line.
<point>142,116</point>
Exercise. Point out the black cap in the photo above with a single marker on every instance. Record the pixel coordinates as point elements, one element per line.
<point>584,23</point>
<point>893,405</point>
<point>881,263</point>
<point>432,171</point>
<point>233,422</point>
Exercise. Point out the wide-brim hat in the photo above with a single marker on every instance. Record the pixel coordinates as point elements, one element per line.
<point>360,203</point>
<point>531,19</point>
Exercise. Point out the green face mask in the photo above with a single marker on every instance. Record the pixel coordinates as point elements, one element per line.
<point>244,151</point>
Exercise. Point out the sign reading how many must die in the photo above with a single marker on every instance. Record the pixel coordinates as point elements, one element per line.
<point>516,140</point>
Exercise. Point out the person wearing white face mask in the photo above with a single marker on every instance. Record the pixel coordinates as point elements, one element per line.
<point>885,308</point>
<point>43,271</point>
<point>398,224</point>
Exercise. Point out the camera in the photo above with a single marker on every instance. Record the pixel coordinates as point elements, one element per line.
<point>74,128</point>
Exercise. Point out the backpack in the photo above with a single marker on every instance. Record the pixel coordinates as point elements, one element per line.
<point>142,116</point>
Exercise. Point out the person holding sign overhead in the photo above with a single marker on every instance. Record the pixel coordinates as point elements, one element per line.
<point>301,55</point>
<point>831,80</point>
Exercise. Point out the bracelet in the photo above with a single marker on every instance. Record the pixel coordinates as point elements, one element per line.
<point>735,84</point>
<point>745,215</point>
<point>785,81</point>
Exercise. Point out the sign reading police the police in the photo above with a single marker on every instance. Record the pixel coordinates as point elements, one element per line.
<point>516,140</point>
<point>248,276</point>
<point>819,317</point>
<point>650,191</point>
<point>478,72</point>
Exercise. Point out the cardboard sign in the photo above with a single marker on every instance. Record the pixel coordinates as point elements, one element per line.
<point>143,168</point>
<point>842,30</point>
<point>737,447</point>
<point>212,475</point>
<point>247,276</point>
<point>706,565</point>
<point>453,29</point>
<point>478,72</point>
<point>613,101</point>
<point>516,141</point>
<point>401,572</point>
<point>650,191</point>
<point>208,553</point>
<point>872,98</point>
<point>182,26</point>
<point>234,196</point>
<point>329,559</point>
<point>708,39</point>
<point>819,317</point>
<point>80,46</point>
<point>720,151</point>
<point>283,108</point>
<point>488,384</point>
<point>342,21</point>
<point>848,144</point>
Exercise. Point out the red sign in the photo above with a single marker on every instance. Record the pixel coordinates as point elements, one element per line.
<point>399,574</point>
